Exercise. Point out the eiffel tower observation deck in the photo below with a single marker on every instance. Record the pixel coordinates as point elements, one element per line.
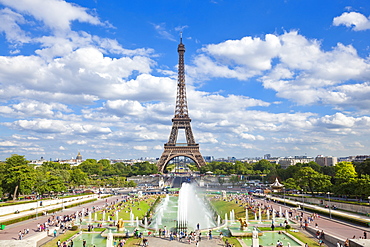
<point>181,120</point>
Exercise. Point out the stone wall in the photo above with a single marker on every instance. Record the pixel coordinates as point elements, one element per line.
<point>329,239</point>
<point>361,209</point>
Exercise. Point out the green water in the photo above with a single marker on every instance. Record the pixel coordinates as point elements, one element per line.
<point>271,238</point>
<point>92,239</point>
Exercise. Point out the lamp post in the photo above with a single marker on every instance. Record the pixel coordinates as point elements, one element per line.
<point>62,200</point>
<point>302,200</point>
<point>284,196</point>
<point>37,206</point>
<point>328,193</point>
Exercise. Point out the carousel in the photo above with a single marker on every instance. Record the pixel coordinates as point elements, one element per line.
<point>277,186</point>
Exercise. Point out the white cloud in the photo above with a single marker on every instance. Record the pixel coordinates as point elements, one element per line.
<point>56,14</point>
<point>8,144</point>
<point>79,142</point>
<point>303,71</point>
<point>356,21</point>
<point>9,24</point>
<point>30,108</point>
<point>161,30</point>
<point>141,148</point>
<point>58,126</point>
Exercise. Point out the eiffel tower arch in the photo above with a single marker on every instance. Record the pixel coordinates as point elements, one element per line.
<point>181,120</point>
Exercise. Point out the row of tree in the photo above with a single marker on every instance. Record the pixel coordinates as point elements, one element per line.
<point>345,178</point>
<point>21,178</point>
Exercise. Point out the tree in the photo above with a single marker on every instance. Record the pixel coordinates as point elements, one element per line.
<point>78,177</point>
<point>312,180</point>
<point>363,168</point>
<point>290,183</point>
<point>344,171</point>
<point>19,176</point>
<point>221,180</point>
<point>234,180</point>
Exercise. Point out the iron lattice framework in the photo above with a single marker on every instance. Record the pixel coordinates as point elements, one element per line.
<point>181,120</point>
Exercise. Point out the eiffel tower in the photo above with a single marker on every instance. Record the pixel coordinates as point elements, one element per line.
<point>181,120</point>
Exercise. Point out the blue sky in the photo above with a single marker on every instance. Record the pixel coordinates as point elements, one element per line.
<point>99,77</point>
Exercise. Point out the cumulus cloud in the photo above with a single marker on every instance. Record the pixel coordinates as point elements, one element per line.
<point>9,24</point>
<point>302,72</point>
<point>56,14</point>
<point>354,20</point>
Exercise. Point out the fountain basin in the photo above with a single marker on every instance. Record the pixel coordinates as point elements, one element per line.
<point>235,231</point>
<point>270,239</point>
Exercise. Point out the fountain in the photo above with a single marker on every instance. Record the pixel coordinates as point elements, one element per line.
<point>90,217</point>
<point>260,215</point>
<point>187,218</point>
<point>103,219</point>
<point>76,220</point>
<point>146,222</point>
<point>232,216</point>
<point>131,218</point>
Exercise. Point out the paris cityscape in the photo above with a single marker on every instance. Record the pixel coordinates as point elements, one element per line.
<point>167,123</point>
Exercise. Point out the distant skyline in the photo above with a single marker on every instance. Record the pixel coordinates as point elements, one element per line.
<point>277,77</point>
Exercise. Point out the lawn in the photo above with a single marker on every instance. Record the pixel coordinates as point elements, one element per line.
<point>224,207</point>
<point>233,241</point>
<point>304,238</point>
<point>139,209</point>
<point>62,237</point>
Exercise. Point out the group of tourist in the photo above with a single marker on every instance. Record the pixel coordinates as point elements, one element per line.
<point>65,243</point>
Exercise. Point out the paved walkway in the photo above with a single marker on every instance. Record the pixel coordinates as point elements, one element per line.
<point>160,242</point>
<point>11,231</point>
<point>338,228</point>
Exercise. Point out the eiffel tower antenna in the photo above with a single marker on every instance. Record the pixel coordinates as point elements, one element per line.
<point>181,120</point>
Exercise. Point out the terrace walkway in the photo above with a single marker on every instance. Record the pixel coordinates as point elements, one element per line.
<point>161,242</point>
<point>340,229</point>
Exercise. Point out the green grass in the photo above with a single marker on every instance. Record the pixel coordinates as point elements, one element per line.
<point>233,241</point>
<point>132,242</point>
<point>139,209</point>
<point>62,237</point>
<point>304,238</point>
<point>224,207</point>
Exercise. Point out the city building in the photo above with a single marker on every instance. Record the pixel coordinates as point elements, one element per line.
<point>291,161</point>
<point>326,160</point>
